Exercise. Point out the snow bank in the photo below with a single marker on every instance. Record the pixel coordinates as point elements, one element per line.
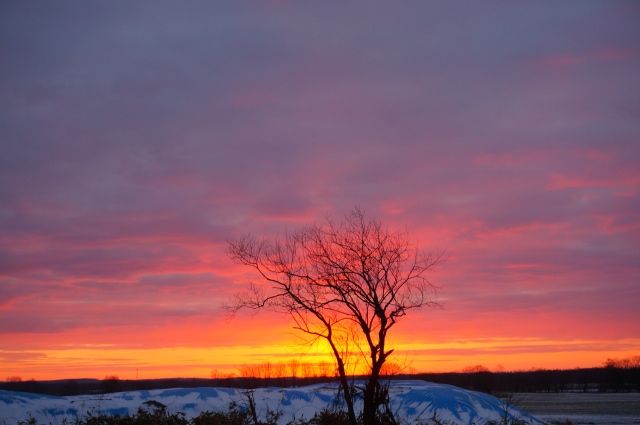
<point>412,401</point>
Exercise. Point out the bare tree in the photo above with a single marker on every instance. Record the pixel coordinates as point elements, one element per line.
<point>347,283</point>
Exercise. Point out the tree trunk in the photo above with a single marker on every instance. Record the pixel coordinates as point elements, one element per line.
<point>344,383</point>
<point>348,396</point>
<point>370,398</point>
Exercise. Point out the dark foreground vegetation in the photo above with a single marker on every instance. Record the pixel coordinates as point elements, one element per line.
<point>154,413</point>
<point>602,379</point>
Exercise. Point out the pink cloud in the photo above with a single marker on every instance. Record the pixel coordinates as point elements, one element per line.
<point>561,182</point>
<point>570,60</point>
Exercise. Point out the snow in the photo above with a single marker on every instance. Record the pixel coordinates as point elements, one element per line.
<point>412,401</point>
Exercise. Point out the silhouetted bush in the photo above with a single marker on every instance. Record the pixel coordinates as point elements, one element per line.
<point>328,418</point>
<point>152,414</point>
<point>233,417</point>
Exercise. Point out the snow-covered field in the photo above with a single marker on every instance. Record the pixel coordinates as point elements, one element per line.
<point>411,400</point>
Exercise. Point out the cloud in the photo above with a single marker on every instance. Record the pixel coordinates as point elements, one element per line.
<point>137,139</point>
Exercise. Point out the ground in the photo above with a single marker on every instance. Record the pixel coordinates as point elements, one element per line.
<point>581,408</point>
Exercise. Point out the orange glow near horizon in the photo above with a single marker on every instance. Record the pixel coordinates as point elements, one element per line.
<point>496,354</point>
<point>431,340</point>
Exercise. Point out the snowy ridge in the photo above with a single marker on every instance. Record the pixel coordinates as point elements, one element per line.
<point>412,401</point>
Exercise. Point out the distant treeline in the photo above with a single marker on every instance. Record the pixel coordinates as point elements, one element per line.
<point>601,379</point>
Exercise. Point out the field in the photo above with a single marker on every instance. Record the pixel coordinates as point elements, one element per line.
<point>411,402</point>
<point>581,408</point>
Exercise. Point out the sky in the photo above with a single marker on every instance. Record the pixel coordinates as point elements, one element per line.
<point>137,138</point>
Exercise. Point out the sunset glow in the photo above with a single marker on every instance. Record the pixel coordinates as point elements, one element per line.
<point>136,140</point>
